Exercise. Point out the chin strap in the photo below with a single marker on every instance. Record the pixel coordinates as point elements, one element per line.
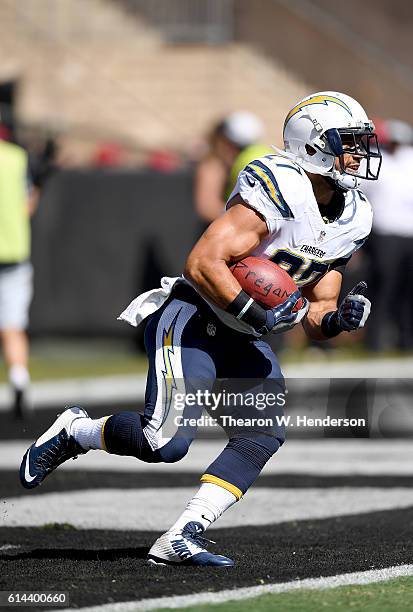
<point>346,181</point>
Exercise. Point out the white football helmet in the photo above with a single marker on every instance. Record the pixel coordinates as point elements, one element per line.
<point>324,126</point>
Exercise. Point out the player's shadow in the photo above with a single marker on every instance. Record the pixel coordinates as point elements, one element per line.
<point>78,554</point>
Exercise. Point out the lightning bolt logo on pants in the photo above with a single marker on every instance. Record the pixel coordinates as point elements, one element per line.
<point>168,374</point>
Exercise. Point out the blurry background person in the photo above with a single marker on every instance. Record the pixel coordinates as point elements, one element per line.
<point>17,202</point>
<point>391,243</point>
<point>232,144</point>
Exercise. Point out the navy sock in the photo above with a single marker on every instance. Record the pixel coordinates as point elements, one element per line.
<point>123,435</point>
<point>242,460</point>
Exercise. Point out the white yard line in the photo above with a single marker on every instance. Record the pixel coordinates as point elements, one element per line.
<point>154,509</point>
<point>102,390</point>
<point>182,601</point>
<point>362,368</point>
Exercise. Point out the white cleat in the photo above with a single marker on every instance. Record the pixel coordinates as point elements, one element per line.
<point>185,547</point>
<point>54,447</point>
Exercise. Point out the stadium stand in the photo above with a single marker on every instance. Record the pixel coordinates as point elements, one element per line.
<point>123,79</point>
<point>364,48</point>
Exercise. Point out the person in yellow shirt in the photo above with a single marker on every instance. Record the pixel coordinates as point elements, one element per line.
<point>17,201</point>
<point>233,143</point>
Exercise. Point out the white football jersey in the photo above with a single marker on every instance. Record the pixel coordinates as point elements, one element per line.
<point>300,240</point>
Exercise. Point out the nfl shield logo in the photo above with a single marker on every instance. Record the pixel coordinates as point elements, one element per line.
<point>211,329</point>
<point>321,236</point>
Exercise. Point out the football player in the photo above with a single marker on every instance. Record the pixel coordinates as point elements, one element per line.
<point>301,208</point>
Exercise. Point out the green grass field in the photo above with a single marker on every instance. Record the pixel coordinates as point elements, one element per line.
<point>387,596</point>
<point>44,369</point>
<point>81,359</point>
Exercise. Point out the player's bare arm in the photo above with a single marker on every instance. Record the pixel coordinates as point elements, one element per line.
<point>323,297</point>
<point>228,239</point>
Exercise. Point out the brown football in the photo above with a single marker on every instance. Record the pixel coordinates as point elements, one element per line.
<point>264,281</point>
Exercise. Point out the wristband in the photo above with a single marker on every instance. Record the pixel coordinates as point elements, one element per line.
<point>245,308</point>
<point>329,325</point>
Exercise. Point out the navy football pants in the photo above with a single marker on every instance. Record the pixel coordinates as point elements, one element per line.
<point>190,350</point>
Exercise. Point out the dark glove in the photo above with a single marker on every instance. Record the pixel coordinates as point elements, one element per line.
<point>280,318</point>
<point>352,313</point>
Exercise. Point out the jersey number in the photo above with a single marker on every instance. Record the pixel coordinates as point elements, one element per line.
<point>303,271</point>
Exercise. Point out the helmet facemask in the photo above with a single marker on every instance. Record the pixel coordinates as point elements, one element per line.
<point>361,144</point>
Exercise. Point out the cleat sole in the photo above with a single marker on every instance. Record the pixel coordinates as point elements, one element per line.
<point>154,563</point>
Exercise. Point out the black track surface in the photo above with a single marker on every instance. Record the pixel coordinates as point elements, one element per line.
<point>98,567</point>
<point>64,481</point>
